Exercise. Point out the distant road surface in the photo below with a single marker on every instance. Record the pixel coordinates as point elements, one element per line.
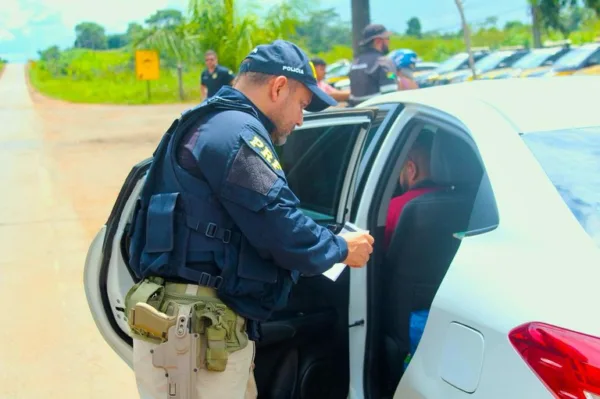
<point>61,167</point>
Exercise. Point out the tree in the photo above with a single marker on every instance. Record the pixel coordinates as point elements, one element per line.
<point>165,18</point>
<point>561,15</point>
<point>90,35</point>
<point>322,29</point>
<point>134,32</point>
<point>414,27</point>
<point>491,22</point>
<point>361,17</point>
<point>510,25</point>
<point>118,40</point>
<point>49,54</point>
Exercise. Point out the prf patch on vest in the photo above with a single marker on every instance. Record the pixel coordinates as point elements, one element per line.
<point>253,166</point>
<point>261,148</point>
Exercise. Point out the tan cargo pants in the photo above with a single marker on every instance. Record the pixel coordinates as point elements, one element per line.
<point>236,382</point>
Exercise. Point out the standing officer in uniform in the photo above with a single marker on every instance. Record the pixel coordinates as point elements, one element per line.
<point>217,238</point>
<point>214,76</point>
<point>372,73</point>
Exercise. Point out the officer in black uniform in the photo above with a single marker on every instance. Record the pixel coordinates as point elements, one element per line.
<point>214,76</point>
<point>217,217</point>
<point>372,73</point>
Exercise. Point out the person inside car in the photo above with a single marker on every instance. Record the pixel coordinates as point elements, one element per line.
<point>414,179</point>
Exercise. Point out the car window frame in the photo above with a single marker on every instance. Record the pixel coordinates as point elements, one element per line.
<point>336,118</point>
<point>369,153</point>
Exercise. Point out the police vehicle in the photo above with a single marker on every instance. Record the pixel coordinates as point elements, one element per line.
<point>506,259</point>
<point>536,60</point>
<point>584,56</point>
<point>458,62</point>
<point>503,58</point>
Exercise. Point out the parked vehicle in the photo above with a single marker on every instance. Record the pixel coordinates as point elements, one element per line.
<point>593,70</point>
<point>584,56</point>
<point>506,257</point>
<point>457,62</point>
<point>530,63</point>
<point>497,60</point>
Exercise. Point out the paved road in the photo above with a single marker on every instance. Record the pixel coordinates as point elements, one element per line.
<point>61,166</point>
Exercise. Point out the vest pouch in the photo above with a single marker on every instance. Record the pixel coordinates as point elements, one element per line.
<point>167,234</point>
<point>253,267</point>
<point>137,231</point>
<point>248,276</point>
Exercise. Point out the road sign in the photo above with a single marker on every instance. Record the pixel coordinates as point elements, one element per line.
<point>146,65</point>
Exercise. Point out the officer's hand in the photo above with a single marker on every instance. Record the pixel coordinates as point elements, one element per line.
<point>360,247</point>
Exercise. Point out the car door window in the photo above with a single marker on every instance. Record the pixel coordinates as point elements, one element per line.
<point>315,161</point>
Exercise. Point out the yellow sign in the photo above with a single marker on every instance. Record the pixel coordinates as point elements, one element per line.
<point>146,65</point>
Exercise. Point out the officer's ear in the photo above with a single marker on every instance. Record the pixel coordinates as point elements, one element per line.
<point>278,87</point>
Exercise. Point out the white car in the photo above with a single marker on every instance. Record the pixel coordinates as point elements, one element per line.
<point>506,257</point>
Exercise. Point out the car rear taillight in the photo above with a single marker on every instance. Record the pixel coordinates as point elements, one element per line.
<point>566,361</point>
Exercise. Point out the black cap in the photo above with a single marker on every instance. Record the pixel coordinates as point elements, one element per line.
<point>373,31</point>
<point>284,58</point>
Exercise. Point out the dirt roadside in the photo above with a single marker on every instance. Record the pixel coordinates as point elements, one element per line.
<point>96,145</point>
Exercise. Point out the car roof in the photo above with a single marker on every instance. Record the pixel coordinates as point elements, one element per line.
<point>530,104</point>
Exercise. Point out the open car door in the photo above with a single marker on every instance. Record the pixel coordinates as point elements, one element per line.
<point>303,352</point>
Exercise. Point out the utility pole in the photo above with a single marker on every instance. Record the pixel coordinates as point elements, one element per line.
<point>536,23</point>
<point>467,36</point>
<point>360,18</point>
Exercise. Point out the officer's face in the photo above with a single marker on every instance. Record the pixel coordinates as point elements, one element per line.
<point>289,98</point>
<point>211,61</point>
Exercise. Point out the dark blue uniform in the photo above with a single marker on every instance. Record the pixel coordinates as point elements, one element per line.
<point>216,209</point>
<point>220,77</point>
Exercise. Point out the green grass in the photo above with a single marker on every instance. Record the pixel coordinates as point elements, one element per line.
<point>124,89</point>
<point>84,76</point>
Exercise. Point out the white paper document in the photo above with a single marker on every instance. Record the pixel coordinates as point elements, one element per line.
<point>335,271</point>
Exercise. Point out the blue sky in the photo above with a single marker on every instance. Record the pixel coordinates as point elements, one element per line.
<point>29,25</point>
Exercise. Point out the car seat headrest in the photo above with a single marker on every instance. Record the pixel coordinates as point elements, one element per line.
<point>453,161</point>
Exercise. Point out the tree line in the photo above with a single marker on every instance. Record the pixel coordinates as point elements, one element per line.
<point>221,26</point>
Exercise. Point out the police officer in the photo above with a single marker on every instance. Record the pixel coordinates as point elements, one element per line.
<point>214,76</point>
<point>217,238</point>
<point>372,73</point>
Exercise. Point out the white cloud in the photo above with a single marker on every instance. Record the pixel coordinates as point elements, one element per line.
<point>5,35</point>
<point>114,15</point>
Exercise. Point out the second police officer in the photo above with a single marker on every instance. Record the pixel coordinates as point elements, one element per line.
<point>371,72</point>
<point>218,240</point>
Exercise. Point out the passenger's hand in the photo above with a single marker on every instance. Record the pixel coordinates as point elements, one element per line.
<point>360,248</point>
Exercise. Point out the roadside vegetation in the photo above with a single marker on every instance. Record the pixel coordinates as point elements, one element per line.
<point>99,68</point>
<point>3,63</point>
